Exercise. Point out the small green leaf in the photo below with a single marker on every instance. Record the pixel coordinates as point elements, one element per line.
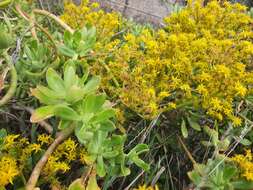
<point>245,142</point>
<point>42,113</point>
<point>194,124</point>
<point>184,130</point>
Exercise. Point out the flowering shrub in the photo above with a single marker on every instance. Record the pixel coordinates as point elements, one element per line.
<point>17,151</point>
<point>200,60</point>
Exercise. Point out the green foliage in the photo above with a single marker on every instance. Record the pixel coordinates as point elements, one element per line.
<point>73,100</point>
<point>6,39</point>
<point>79,43</point>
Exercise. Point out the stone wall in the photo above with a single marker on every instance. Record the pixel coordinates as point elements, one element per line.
<point>151,11</point>
<point>148,11</point>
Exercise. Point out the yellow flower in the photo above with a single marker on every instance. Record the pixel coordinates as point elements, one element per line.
<point>172,105</point>
<point>236,121</point>
<point>240,89</point>
<point>44,139</point>
<point>164,94</point>
<point>9,141</point>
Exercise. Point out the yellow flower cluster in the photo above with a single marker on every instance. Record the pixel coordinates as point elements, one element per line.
<point>245,162</point>
<point>89,14</point>
<point>200,59</point>
<point>60,160</point>
<point>16,152</point>
<point>8,170</point>
<point>145,187</point>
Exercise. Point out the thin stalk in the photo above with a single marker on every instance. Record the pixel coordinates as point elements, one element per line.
<point>14,78</point>
<point>55,18</point>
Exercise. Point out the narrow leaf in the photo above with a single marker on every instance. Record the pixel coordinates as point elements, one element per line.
<point>184,129</point>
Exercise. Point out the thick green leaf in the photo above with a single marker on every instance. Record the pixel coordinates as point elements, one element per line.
<point>43,98</point>
<point>124,170</point>
<point>64,50</point>
<point>74,94</point>
<point>70,77</point>
<point>138,149</point>
<point>54,81</point>
<point>184,130</point>
<point>83,135</point>
<point>42,113</point>
<point>100,167</point>
<point>93,103</point>
<point>50,93</point>
<point>92,84</point>
<point>140,163</point>
<point>67,38</point>
<point>103,116</point>
<point>107,126</point>
<point>63,124</point>
<point>229,172</point>
<point>194,124</point>
<point>111,154</point>
<point>66,113</point>
<point>96,144</point>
